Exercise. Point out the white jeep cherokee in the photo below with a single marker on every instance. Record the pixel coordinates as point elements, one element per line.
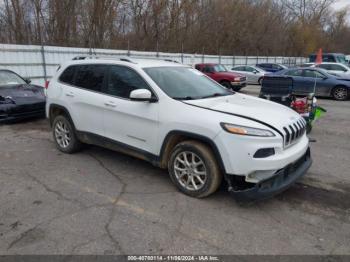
<point>178,118</point>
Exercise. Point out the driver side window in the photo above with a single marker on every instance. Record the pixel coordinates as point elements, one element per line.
<point>208,69</point>
<point>122,81</point>
<point>313,73</point>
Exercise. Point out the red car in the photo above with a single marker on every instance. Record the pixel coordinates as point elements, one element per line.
<point>220,74</point>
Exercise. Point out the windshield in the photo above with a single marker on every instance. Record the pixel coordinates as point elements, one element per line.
<point>220,68</point>
<point>9,78</point>
<point>185,83</point>
<point>341,59</point>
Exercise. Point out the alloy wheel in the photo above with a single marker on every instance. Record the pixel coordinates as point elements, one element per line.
<point>62,134</point>
<point>190,171</point>
<point>340,93</point>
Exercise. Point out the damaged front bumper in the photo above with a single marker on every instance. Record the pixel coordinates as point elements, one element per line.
<point>282,180</point>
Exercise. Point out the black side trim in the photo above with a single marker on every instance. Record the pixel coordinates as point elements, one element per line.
<point>196,137</point>
<point>232,114</point>
<point>105,142</point>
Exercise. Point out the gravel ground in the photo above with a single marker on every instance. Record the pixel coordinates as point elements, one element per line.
<point>103,202</point>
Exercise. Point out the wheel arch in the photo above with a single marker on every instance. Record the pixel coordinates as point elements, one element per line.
<point>55,110</point>
<point>177,136</point>
<point>339,85</point>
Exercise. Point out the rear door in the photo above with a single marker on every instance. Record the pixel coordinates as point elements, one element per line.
<point>84,98</point>
<point>129,122</point>
<point>300,85</point>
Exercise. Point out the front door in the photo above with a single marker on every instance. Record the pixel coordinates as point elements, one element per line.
<point>133,123</point>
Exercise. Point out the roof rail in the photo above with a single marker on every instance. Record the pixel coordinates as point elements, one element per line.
<point>124,59</point>
<point>79,58</point>
<point>173,61</point>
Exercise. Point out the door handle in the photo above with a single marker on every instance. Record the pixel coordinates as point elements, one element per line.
<point>70,94</point>
<point>110,104</point>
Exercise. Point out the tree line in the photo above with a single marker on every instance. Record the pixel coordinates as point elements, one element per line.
<point>226,27</point>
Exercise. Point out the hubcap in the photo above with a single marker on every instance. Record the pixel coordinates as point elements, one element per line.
<point>190,171</point>
<point>340,93</point>
<point>62,134</point>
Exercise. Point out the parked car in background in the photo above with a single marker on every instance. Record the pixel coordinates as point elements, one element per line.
<point>271,67</point>
<point>253,74</point>
<point>330,57</point>
<point>326,84</point>
<point>337,68</point>
<point>18,98</point>
<point>220,74</point>
<point>178,119</point>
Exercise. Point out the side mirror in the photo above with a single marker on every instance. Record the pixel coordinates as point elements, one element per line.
<point>142,95</point>
<point>255,71</point>
<point>27,80</point>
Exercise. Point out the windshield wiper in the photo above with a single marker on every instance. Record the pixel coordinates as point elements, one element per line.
<point>184,98</point>
<point>215,95</point>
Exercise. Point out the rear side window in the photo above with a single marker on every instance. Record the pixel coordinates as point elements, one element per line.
<point>313,73</point>
<point>325,66</point>
<point>68,75</point>
<point>123,80</point>
<point>90,77</point>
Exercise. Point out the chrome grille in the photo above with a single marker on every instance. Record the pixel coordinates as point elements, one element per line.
<point>294,131</point>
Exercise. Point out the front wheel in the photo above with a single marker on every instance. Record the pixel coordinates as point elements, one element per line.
<point>226,84</point>
<point>194,170</point>
<point>340,93</point>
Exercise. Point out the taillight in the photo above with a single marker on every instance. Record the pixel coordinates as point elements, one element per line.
<point>47,82</point>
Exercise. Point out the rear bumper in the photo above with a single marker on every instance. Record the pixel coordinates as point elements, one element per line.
<point>282,180</point>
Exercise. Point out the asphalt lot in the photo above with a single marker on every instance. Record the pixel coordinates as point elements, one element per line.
<point>103,202</point>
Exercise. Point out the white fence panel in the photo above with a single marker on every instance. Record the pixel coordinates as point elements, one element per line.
<point>40,63</point>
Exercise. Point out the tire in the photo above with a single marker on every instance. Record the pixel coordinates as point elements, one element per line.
<point>64,135</point>
<point>260,81</point>
<point>226,84</point>
<point>340,93</point>
<point>236,89</point>
<point>194,170</point>
<point>308,128</point>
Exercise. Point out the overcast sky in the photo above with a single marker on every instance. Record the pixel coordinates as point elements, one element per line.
<point>340,4</point>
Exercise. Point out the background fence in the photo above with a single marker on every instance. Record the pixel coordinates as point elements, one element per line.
<point>39,63</point>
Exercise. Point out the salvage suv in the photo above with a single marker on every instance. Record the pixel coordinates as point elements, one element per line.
<point>179,119</point>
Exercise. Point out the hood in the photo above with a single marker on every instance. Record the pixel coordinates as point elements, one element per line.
<point>265,111</point>
<point>229,75</point>
<point>22,93</point>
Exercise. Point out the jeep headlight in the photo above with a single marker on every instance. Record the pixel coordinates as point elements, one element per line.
<point>246,131</point>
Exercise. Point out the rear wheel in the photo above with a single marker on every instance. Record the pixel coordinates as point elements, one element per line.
<point>194,170</point>
<point>64,135</point>
<point>340,93</point>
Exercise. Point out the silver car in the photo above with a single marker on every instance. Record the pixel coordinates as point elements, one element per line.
<point>254,74</point>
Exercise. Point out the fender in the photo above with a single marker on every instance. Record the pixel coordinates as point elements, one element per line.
<point>195,136</point>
